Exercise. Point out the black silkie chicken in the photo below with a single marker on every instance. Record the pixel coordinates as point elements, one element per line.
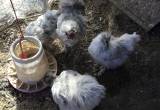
<point>71,23</point>
<point>111,52</point>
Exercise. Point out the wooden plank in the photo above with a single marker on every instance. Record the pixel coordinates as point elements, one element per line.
<point>144,12</point>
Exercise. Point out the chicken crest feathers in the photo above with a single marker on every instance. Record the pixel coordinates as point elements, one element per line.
<point>74,5</point>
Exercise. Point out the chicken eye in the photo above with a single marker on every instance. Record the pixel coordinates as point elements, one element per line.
<point>66,33</point>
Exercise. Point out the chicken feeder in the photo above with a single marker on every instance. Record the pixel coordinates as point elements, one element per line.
<point>29,75</point>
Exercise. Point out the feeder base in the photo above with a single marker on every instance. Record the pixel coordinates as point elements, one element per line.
<point>32,88</point>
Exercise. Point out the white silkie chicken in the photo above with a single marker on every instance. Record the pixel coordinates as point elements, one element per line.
<point>71,23</point>
<point>72,91</point>
<point>44,27</point>
<point>110,51</point>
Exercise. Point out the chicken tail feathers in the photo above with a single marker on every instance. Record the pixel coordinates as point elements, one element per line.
<point>129,41</point>
<point>136,37</point>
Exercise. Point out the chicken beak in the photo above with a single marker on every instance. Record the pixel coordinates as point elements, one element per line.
<point>107,41</point>
<point>70,35</point>
<point>107,44</point>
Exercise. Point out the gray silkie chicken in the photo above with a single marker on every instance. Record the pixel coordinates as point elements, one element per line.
<point>71,23</point>
<point>44,27</point>
<point>73,91</point>
<point>110,51</point>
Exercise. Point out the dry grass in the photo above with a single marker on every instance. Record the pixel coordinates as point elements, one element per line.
<point>128,87</point>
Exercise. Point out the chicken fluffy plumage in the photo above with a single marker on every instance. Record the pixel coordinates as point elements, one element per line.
<point>72,91</point>
<point>111,51</point>
<point>44,27</point>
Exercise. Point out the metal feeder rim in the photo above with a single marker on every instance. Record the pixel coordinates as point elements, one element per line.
<point>29,38</point>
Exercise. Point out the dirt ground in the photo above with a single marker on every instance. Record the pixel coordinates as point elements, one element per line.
<point>134,86</point>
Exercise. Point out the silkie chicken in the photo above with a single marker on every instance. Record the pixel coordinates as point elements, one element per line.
<point>73,91</point>
<point>71,23</point>
<point>44,27</point>
<point>111,52</point>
